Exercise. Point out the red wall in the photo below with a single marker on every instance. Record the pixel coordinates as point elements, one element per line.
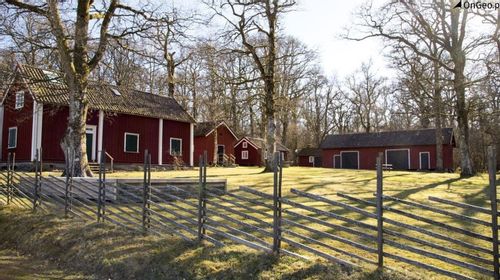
<point>202,143</point>
<point>174,129</point>
<point>55,120</point>
<point>22,119</point>
<point>367,156</point>
<point>253,155</point>
<point>304,161</point>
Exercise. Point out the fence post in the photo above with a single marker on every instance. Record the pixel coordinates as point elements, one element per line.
<point>278,169</point>
<point>101,200</point>
<point>202,202</point>
<point>146,192</point>
<point>69,182</point>
<point>36,194</point>
<point>494,209</point>
<point>380,213</point>
<point>8,178</point>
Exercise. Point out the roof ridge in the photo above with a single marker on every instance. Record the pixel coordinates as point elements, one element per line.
<point>388,131</point>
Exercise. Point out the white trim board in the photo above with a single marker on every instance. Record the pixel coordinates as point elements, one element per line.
<point>248,141</point>
<point>402,149</point>
<point>342,152</point>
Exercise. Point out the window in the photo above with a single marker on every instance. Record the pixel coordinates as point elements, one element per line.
<point>245,145</point>
<point>311,159</point>
<point>131,142</point>
<point>12,141</point>
<point>175,147</point>
<point>19,100</point>
<point>244,154</point>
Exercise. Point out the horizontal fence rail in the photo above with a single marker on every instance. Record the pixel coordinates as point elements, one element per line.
<point>447,237</point>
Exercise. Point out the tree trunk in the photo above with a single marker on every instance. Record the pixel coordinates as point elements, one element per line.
<point>215,161</point>
<point>74,144</point>
<point>271,125</point>
<point>462,114</point>
<point>438,118</point>
<point>170,74</point>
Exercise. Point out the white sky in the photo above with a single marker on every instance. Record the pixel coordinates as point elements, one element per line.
<point>318,23</point>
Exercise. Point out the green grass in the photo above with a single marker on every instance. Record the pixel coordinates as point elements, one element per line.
<point>107,252</point>
<point>360,183</point>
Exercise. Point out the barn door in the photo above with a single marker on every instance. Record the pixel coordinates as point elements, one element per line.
<point>336,161</point>
<point>349,160</point>
<point>400,159</point>
<point>424,161</point>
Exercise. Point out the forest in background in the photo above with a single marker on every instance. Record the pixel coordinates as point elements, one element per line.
<point>257,78</point>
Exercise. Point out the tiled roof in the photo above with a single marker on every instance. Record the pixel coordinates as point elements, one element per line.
<point>259,142</point>
<point>386,139</point>
<point>49,88</point>
<point>310,152</point>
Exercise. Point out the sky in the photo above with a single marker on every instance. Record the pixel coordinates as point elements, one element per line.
<point>318,23</point>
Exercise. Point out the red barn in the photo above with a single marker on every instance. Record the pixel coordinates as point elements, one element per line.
<point>404,150</point>
<point>248,151</point>
<point>121,121</point>
<point>309,157</point>
<point>204,140</point>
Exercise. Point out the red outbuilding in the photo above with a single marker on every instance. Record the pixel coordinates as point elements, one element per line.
<point>309,157</point>
<point>205,140</point>
<point>248,151</point>
<point>403,150</point>
<point>123,122</point>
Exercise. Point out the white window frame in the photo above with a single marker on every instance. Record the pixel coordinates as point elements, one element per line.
<point>420,160</point>
<point>311,159</point>
<point>244,154</point>
<point>340,160</point>
<point>8,138</point>
<point>170,148</point>
<point>346,152</point>
<point>402,149</point>
<point>20,96</point>
<point>125,142</point>
<point>244,145</point>
<point>92,129</point>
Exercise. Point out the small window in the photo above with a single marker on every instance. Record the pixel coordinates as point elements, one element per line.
<point>244,154</point>
<point>131,142</point>
<point>12,141</point>
<point>245,145</point>
<point>311,159</point>
<point>175,147</point>
<point>19,100</point>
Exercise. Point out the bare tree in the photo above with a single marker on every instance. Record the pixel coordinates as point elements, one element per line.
<point>79,54</point>
<point>250,20</point>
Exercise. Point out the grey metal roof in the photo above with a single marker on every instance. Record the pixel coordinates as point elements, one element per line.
<point>259,142</point>
<point>309,152</point>
<point>48,87</point>
<point>387,138</point>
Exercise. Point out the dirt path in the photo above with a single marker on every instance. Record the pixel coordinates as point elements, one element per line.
<point>16,266</point>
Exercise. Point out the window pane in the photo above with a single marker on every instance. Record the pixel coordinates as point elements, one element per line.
<point>175,147</point>
<point>12,138</point>
<point>19,100</point>
<point>131,142</point>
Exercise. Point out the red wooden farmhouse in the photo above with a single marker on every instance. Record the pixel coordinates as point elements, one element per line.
<point>309,157</point>
<point>404,150</point>
<point>248,151</point>
<point>121,121</point>
<point>204,140</point>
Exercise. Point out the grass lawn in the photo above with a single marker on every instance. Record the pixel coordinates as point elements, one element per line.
<point>416,186</point>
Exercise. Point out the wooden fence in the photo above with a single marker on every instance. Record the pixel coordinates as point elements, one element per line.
<point>344,229</point>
